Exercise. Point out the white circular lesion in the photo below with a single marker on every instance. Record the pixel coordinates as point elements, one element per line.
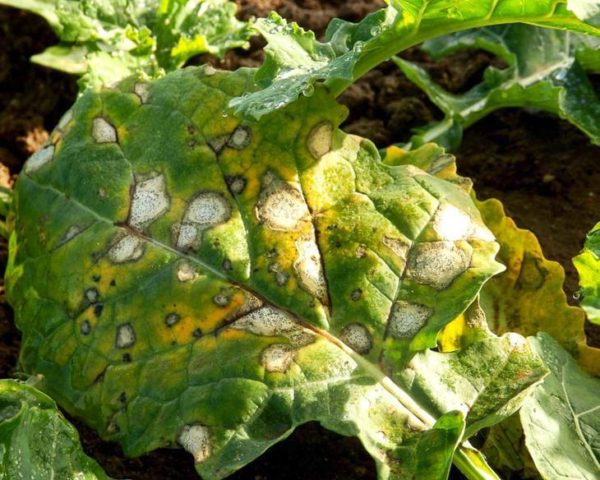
<point>103,131</point>
<point>438,263</point>
<point>207,210</point>
<point>128,248</point>
<point>150,201</point>
<point>320,140</point>
<point>406,319</point>
<point>195,439</point>
<point>125,337</point>
<point>357,337</point>
<point>277,358</point>
<point>40,158</point>
<point>281,206</point>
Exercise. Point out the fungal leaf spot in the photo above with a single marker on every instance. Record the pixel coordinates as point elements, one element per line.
<point>127,249</point>
<point>309,269</point>
<point>357,337</point>
<point>40,158</point>
<point>277,358</point>
<point>150,201</point>
<point>406,319</point>
<point>125,337</point>
<point>281,207</point>
<point>319,140</point>
<point>437,263</point>
<point>196,440</point>
<point>207,210</point>
<point>103,132</point>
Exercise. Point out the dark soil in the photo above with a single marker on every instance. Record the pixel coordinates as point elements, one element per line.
<point>543,169</point>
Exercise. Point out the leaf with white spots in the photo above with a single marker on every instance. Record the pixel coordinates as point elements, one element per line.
<point>36,441</point>
<point>212,283</point>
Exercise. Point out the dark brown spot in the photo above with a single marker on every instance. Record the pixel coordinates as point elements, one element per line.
<point>126,357</point>
<point>98,308</point>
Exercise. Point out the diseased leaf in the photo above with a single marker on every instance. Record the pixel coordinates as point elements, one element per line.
<point>560,418</point>
<point>36,442</point>
<point>588,267</point>
<point>228,281</point>
<point>106,41</point>
<point>542,73</point>
<point>295,61</point>
<point>528,297</point>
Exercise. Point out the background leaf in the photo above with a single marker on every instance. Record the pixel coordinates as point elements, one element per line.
<point>106,41</point>
<point>560,418</point>
<point>36,442</point>
<point>296,61</point>
<point>542,73</point>
<point>588,266</point>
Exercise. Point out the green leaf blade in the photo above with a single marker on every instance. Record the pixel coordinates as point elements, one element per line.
<point>222,289</point>
<point>360,47</point>
<point>35,439</point>
<point>588,267</point>
<point>563,409</point>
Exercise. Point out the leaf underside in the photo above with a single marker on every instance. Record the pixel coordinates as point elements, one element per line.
<point>184,277</point>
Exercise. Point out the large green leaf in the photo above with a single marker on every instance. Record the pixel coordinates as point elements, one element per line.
<point>296,61</point>
<point>107,40</point>
<point>588,266</point>
<point>542,73</point>
<point>183,277</point>
<point>561,418</point>
<point>36,442</point>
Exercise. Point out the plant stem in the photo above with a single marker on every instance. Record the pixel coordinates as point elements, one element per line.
<point>467,466</point>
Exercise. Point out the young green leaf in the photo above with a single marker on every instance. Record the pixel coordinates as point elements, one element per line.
<point>295,61</point>
<point>36,441</point>
<point>588,266</point>
<point>106,41</point>
<point>560,418</point>
<point>182,277</point>
<point>542,73</point>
